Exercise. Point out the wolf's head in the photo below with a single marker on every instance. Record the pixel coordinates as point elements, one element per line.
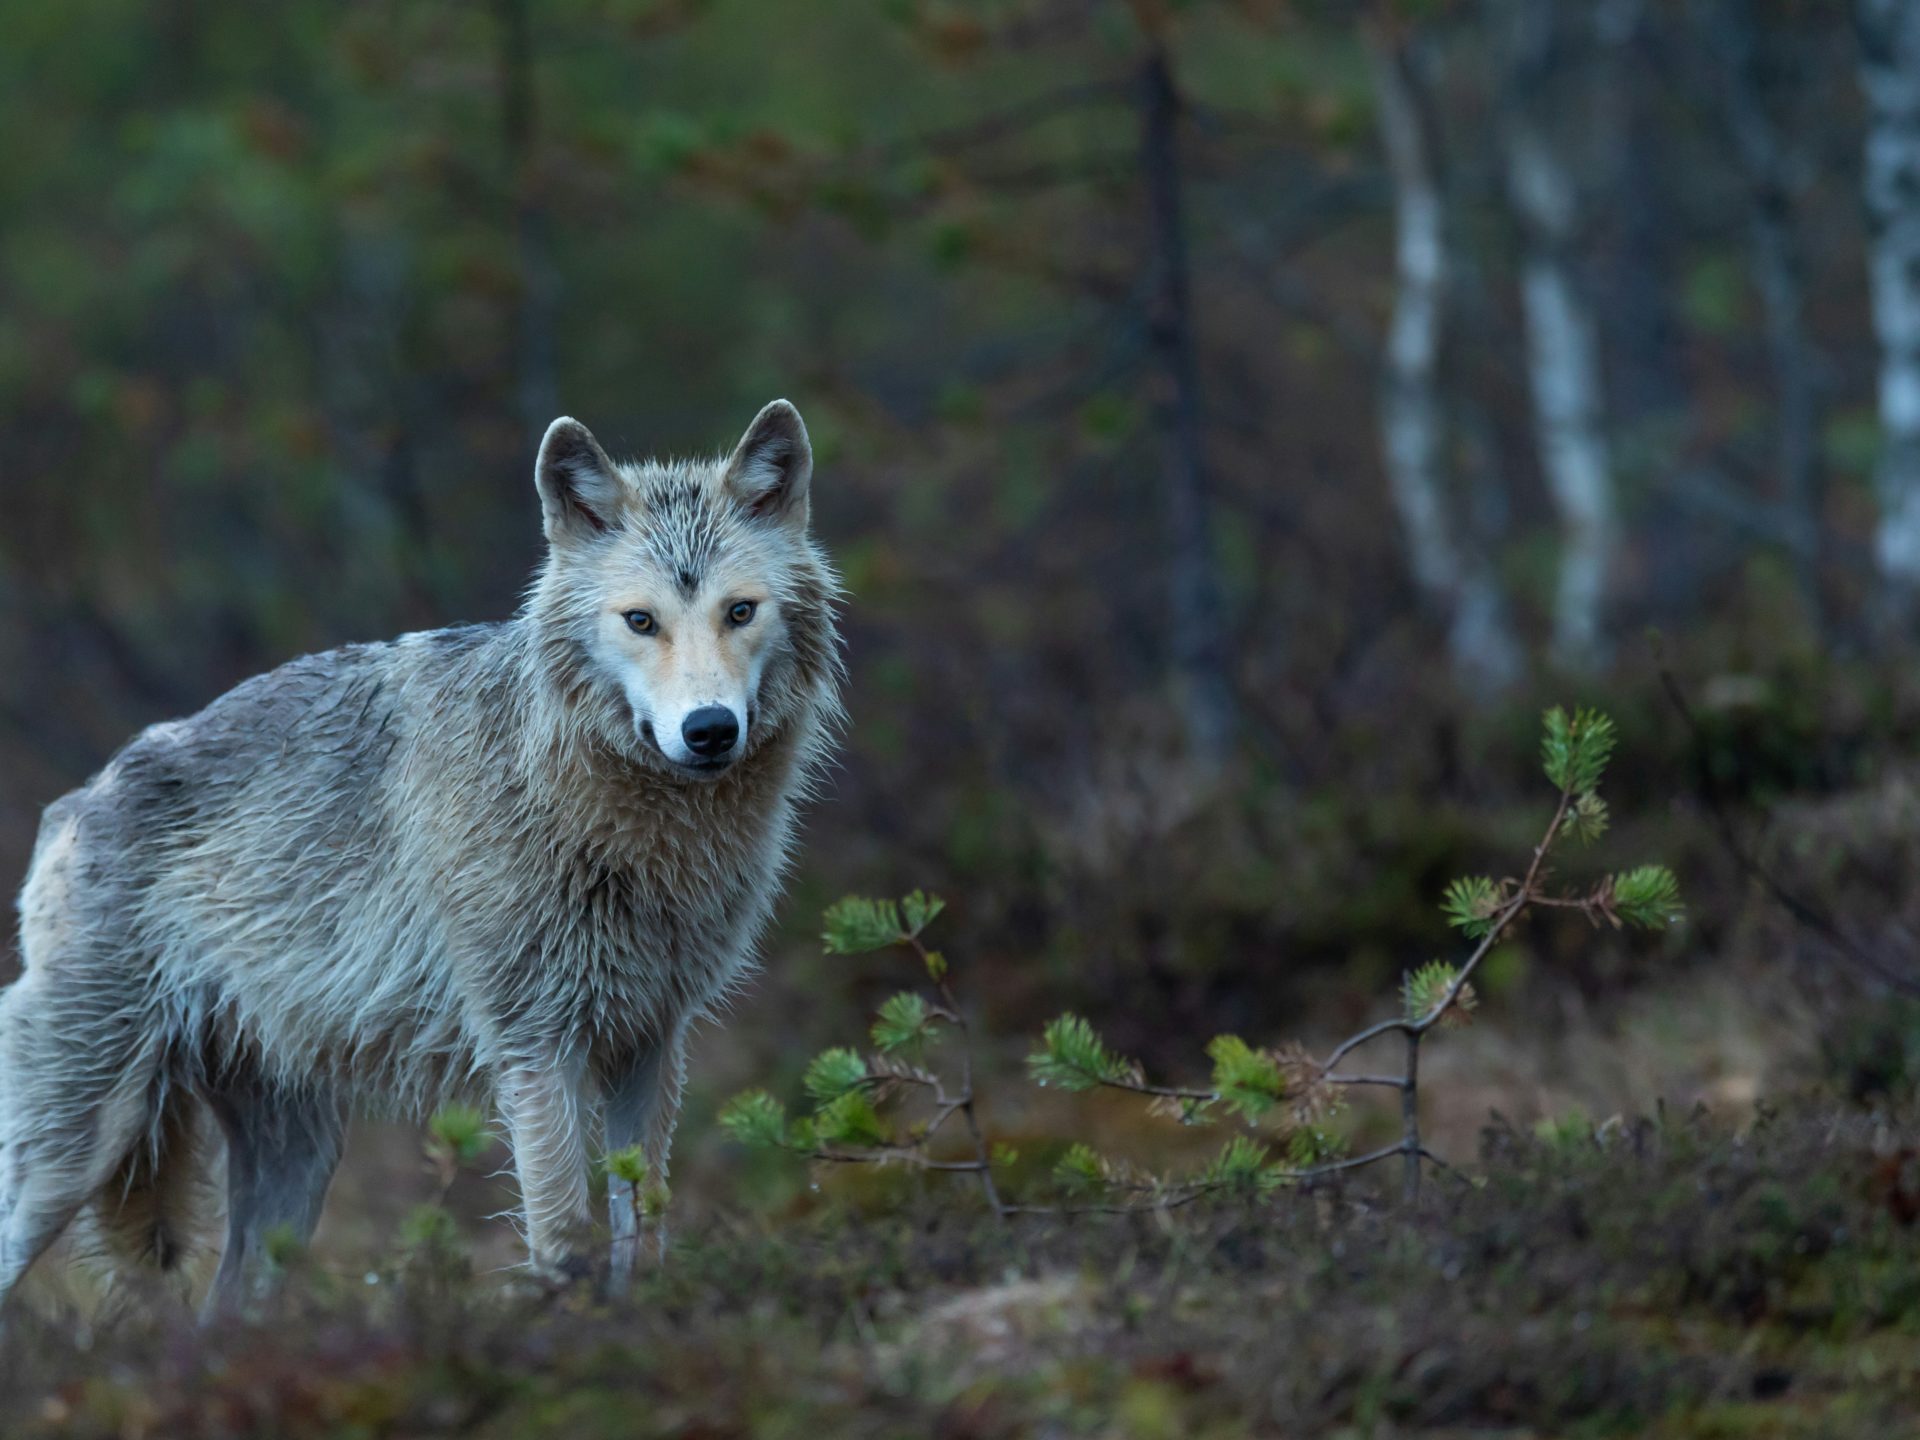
<point>690,603</point>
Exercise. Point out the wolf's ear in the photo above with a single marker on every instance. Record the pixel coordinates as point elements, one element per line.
<point>772,465</point>
<point>579,491</point>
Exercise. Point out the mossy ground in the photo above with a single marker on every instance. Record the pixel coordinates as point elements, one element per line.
<point>1669,1278</point>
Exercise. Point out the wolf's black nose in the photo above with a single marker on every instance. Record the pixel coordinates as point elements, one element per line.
<point>710,730</point>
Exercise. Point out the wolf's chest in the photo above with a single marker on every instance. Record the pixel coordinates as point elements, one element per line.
<point>645,924</point>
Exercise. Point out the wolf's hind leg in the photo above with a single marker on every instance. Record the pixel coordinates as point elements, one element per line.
<point>283,1146</point>
<point>77,1072</point>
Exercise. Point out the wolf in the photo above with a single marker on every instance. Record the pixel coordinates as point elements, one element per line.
<point>510,862</point>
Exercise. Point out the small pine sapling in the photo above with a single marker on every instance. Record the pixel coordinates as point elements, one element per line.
<point>1288,1093</point>
<point>862,1109</point>
<point>1280,1098</point>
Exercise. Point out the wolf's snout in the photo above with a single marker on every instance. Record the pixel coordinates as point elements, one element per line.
<point>710,731</point>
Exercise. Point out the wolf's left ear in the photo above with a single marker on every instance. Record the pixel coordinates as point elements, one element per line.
<point>579,491</point>
<point>772,465</point>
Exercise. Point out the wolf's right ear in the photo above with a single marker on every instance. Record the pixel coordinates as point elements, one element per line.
<point>579,491</point>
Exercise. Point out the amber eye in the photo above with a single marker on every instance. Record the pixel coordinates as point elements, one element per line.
<point>741,612</point>
<point>640,622</point>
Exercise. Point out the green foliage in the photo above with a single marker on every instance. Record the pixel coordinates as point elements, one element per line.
<point>1647,898</point>
<point>459,1133</point>
<point>1311,1145</point>
<point>1587,818</point>
<point>850,1119</point>
<point>1082,1170</point>
<point>1244,1165</point>
<point>628,1164</point>
<point>833,1073</point>
<point>919,910</point>
<point>857,926</point>
<point>755,1119</point>
<point>1423,991</point>
<point>1249,1082</point>
<point>903,1022</point>
<point>1471,905</point>
<point>1074,1057</point>
<point>1576,748</point>
<point>430,1231</point>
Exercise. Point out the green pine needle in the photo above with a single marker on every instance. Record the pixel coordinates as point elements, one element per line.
<point>755,1119</point>
<point>1074,1057</point>
<point>1470,905</point>
<point>833,1073</point>
<point>1648,898</point>
<point>850,1120</point>
<point>902,1022</point>
<point>1248,1081</point>
<point>1575,748</point>
<point>855,925</point>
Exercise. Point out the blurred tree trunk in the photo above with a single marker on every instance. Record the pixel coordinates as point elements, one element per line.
<point>1563,359</point>
<point>1412,421</point>
<point>1779,275</point>
<point>1648,391</point>
<point>538,379</point>
<point>1196,615</point>
<point>1890,76</point>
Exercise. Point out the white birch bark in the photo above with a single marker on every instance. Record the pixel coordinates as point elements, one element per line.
<point>1563,360</point>
<point>1412,424</point>
<point>1890,76</point>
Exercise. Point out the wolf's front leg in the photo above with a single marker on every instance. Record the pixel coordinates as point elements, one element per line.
<point>643,1104</point>
<point>540,1101</point>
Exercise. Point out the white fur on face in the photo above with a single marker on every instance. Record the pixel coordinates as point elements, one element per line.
<point>694,657</point>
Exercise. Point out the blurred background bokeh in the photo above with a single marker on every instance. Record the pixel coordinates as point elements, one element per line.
<point>1234,421</point>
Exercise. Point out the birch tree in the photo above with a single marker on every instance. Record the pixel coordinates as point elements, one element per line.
<point>1890,77</point>
<point>1563,360</point>
<point>1412,417</point>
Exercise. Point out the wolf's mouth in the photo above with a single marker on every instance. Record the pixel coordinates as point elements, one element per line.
<point>703,768</point>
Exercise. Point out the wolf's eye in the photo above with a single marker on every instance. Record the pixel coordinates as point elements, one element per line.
<point>741,612</point>
<point>640,622</point>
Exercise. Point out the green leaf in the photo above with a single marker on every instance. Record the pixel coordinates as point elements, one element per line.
<point>1576,748</point>
<point>919,909</point>
<point>1471,904</point>
<point>833,1073</point>
<point>1648,898</point>
<point>756,1119</point>
<point>1073,1056</point>
<point>854,926</point>
<point>903,1021</point>
<point>1248,1081</point>
<point>850,1120</point>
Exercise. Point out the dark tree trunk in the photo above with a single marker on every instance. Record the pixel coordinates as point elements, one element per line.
<point>1196,615</point>
<point>1779,275</point>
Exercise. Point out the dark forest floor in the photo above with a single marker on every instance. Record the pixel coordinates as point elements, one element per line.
<point>1669,1277</point>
